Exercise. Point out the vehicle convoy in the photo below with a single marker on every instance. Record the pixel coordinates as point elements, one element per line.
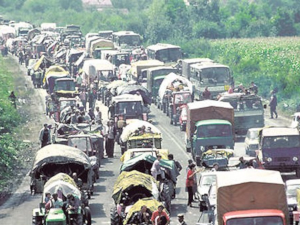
<point>155,77</point>
<point>138,70</point>
<point>129,188</point>
<point>95,70</point>
<point>210,125</point>
<point>280,149</point>
<point>247,197</point>
<point>56,158</point>
<point>248,111</point>
<point>166,53</point>
<point>215,76</point>
<point>63,185</point>
<point>174,92</point>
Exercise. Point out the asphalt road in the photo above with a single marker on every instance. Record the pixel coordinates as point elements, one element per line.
<point>18,209</point>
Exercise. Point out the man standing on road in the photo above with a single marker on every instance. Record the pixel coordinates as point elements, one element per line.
<point>98,116</point>
<point>273,105</point>
<point>45,136</point>
<point>206,93</point>
<point>110,140</point>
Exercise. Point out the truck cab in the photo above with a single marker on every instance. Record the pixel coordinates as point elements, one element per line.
<point>248,111</point>
<point>280,149</point>
<point>211,134</point>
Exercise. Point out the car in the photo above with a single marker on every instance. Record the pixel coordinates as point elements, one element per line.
<point>296,120</point>
<point>205,181</point>
<point>251,141</point>
<point>291,187</point>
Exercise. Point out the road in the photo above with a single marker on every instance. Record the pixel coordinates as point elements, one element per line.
<point>18,209</point>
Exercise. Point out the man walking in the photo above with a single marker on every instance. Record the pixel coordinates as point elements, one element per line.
<point>273,105</point>
<point>110,140</point>
<point>45,136</point>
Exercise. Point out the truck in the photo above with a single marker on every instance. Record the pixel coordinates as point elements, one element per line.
<point>279,149</point>
<point>248,111</point>
<point>166,53</point>
<point>126,40</point>
<point>210,125</point>
<point>135,72</point>
<point>155,77</point>
<point>216,77</point>
<point>186,65</point>
<point>249,197</point>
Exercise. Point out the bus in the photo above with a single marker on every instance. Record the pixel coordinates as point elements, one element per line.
<point>126,40</point>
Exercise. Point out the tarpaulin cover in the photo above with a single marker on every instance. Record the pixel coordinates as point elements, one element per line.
<point>62,182</point>
<point>133,89</point>
<point>129,153</point>
<point>57,153</point>
<point>134,125</point>
<point>250,189</point>
<point>169,79</point>
<point>151,203</point>
<point>128,180</point>
<point>169,165</point>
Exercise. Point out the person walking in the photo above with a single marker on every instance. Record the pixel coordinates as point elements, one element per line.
<point>12,99</point>
<point>156,168</point>
<point>206,94</point>
<point>273,105</point>
<point>45,136</point>
<point>83,97</point>
<point>190,183</point>
<point>98,116</point>
<point>110,140</point>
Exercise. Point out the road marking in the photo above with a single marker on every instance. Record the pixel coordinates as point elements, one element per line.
<point>174,138</point>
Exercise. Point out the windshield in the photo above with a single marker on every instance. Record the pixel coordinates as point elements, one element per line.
<point>215,130</point>
<point>182,98</point>
<point>270,220</point>
<point>169,55</point>
<point>129,108</point>
<point>157,82</point>
<point>281,142</point>
<point>215,75</point>
<point>130,40</point>
<point>81,143</point>
<point>207,180</point>
<point>64,104</point>
<point>291,190</point>
<point>65,86</point>
<point>162,72</point>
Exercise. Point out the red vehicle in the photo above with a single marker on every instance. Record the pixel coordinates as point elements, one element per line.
<point>183,117</point>
<point>178,99</point>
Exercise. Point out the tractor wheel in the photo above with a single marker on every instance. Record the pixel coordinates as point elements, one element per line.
<point>87,218</point>
<point>165,195</point>
<point>115,218</point>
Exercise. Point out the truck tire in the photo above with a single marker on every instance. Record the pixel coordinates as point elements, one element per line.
<point>115,219</point>
<point>188,149</point>
<point>87,218</point>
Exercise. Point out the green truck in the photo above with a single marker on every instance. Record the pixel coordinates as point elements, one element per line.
<point>210,125</point>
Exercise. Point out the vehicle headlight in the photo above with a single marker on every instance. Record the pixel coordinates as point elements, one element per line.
<point>295,158</point>
<point>269,159</point>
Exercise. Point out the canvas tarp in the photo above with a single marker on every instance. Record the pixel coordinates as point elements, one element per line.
<point>148,160</point>
<point>57,153</point>
<point>152,205</point>
<point>250,189</point>
<point>63,183</point>
<point>128,180</point>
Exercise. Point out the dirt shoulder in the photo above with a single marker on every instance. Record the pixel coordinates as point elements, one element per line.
<point>30,107</point>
